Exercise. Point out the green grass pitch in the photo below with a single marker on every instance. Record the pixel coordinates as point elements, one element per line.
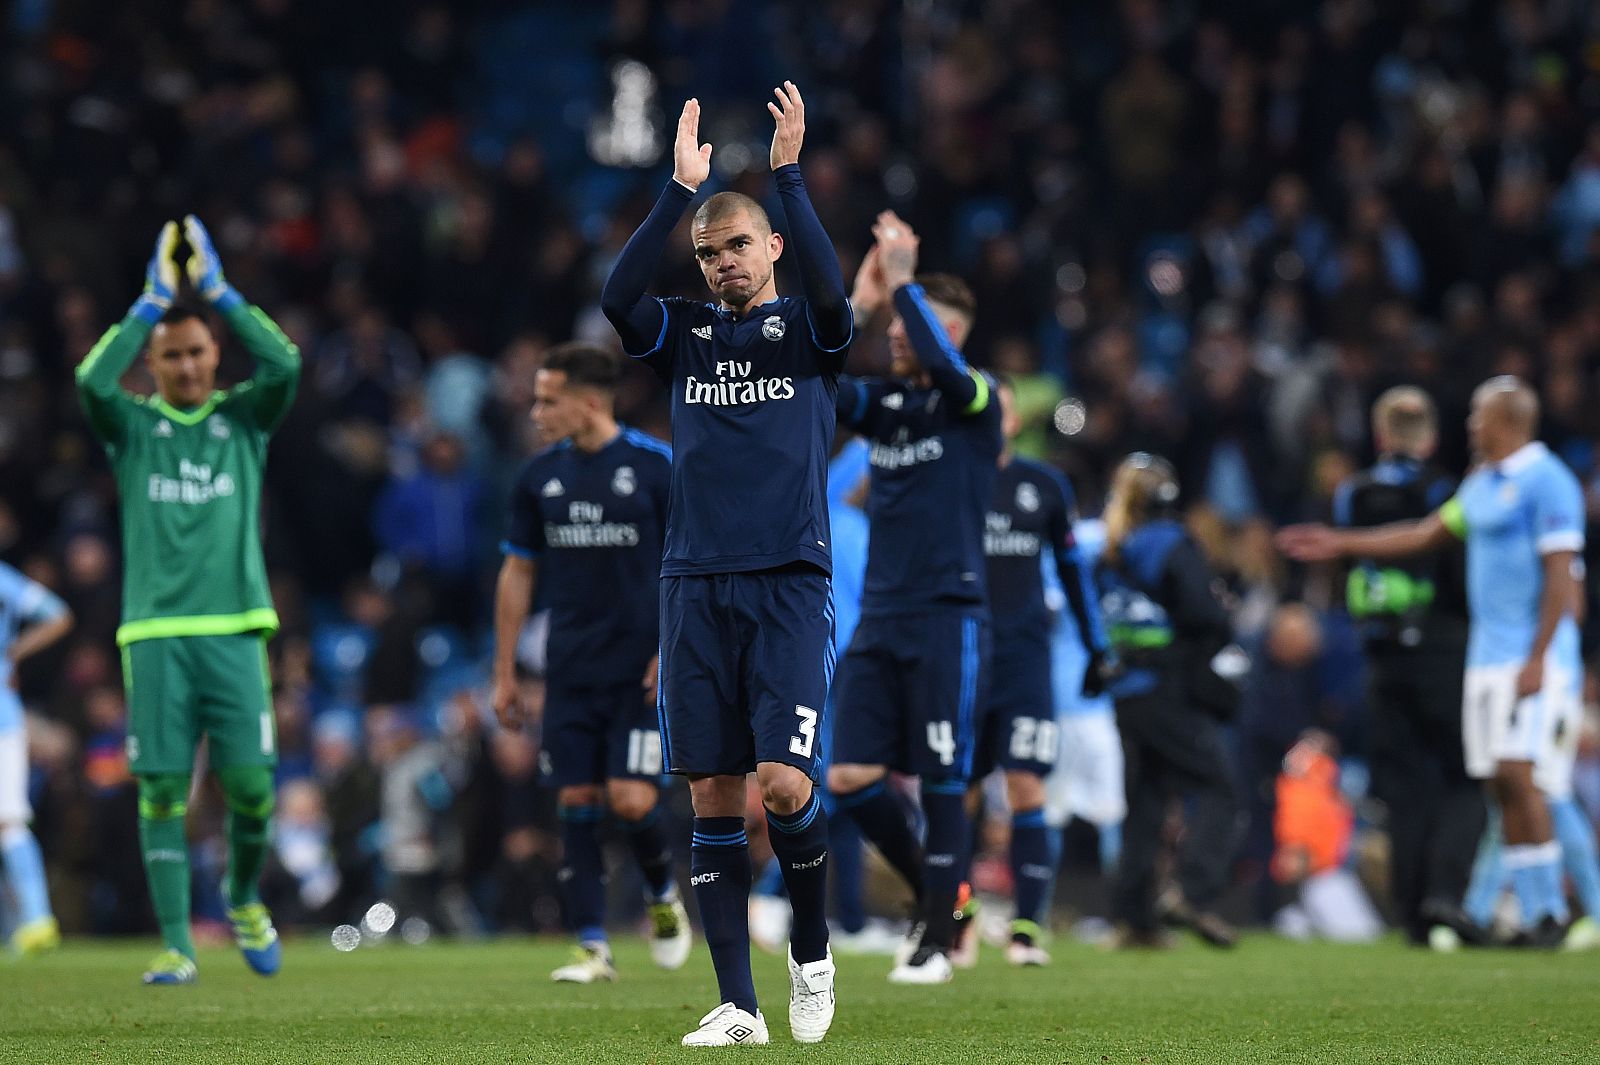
<point>1270,1001</point>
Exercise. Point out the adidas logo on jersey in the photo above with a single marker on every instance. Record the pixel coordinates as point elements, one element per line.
<point>552,488</point>
<point>894,400</point>
<point>702,331</point>
<point>163,429</point>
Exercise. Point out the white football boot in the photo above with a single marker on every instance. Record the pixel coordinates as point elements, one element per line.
<point>729,1026</point>
<point>670,937</point>
<point>591,964</point>
<point>810,998</point>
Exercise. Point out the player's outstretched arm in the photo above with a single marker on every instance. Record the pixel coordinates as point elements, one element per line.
<point>827,302</point>
<point>277,359</point>
<point>99,374</point>
<point>1399,539</point>
<point>640,320</point>
<point>938,355</point>
<point>47,618</point>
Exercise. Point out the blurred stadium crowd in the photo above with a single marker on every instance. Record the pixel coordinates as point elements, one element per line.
<point>1211,230</point>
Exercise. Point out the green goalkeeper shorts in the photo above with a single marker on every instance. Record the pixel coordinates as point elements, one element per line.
<point>181,688</point>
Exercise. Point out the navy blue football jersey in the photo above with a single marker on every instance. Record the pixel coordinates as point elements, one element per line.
<point>753,417</point>
<point>933,473</point>
<point>595,524</point>
<point>1029,518</point>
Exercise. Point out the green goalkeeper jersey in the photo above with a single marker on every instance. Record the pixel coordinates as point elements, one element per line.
<point>190,482</point>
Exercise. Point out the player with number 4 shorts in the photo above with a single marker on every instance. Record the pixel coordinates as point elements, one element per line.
<point>196,608</point>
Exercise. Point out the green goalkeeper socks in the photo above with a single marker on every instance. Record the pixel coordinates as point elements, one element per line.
<point>248,792</point>
<point>166,856</point>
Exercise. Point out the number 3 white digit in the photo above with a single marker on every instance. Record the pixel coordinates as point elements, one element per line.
<point>801,744</point>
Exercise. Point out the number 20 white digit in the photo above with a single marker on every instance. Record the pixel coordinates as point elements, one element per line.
<point>802,743</point>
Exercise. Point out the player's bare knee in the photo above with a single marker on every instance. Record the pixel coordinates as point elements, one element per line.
<point>718,796</point>
<point>1024,791</point>
<point>630,800</point>
<point>784,789</point>
<point>844,779</point>
<point>579,795</point>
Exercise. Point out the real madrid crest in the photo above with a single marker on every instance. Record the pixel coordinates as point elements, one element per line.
<point>623,482</point>
<point>1027,497</point>
<point>773,328</point>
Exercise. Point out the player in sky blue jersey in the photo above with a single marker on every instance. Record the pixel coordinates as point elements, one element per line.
<point>1522,517</point>
<point>1029,520</point>
<point>588,516</point>
<point>746,618</point>
<point>911,686</point>
<point>31,619</point>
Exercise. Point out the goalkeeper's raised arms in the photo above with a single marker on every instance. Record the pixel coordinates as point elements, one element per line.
<point>205,267</point>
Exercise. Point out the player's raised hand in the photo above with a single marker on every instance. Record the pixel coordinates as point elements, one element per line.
<point>161,275</point>
<point>789,114</point>
<point>691,160</point>
<point>897,249</point>
<point>869,293</point>
<point>205,266</point>
<point>507,702</point>
<point>1309,543</point>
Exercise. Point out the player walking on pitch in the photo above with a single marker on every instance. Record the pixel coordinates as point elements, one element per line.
<point>1030,518</point>
<point>746,617</point>
<point>593,508</point>
<point>1521,515</point>
<point>912,685</point>
<point>31,619</point>
<point>196,609</point>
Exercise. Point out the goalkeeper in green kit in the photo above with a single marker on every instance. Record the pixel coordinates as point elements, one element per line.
<point>196,611</point>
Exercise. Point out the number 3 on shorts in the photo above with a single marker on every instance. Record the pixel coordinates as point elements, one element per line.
<point>801,744</point>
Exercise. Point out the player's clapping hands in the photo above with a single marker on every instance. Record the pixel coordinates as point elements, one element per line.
<point>205,266</point>
<point>691,160</point>
<point>789,114</point>
<point>869,293</point>
<point>161,275</point>
<point>896,249</point>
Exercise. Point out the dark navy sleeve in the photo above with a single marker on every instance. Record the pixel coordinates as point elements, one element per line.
<point>1440,491</point>
<point>640,319</point>
<point>1074,572</point>
<point>858,397</point>
<point>827,300</point>
<point>951,375</point>
<point>525,527</point>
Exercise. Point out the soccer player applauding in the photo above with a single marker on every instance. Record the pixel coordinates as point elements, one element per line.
<point>912,684</point>
<point>196,610</point>
<point>746,622</point>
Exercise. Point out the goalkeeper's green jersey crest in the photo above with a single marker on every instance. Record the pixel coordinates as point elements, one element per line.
<point>190,485</point>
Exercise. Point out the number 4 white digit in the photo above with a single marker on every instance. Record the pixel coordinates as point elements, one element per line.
<point>801,744</point>
<point>942,741</point>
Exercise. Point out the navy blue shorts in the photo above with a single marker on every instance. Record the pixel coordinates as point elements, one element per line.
<point>1019,729</point>
<point>592,735</point>
<point>911,692</point>
<point>746,661</point>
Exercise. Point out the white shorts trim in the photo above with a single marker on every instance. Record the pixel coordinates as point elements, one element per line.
<point>14,806</point>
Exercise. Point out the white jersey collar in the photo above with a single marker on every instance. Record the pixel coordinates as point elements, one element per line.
<point>1522,458</point>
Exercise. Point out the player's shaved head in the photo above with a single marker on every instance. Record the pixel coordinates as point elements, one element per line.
<point>725,207</point>
<point>1404,420</point>
<point>1512,399</point>
<point>1505,416</point>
